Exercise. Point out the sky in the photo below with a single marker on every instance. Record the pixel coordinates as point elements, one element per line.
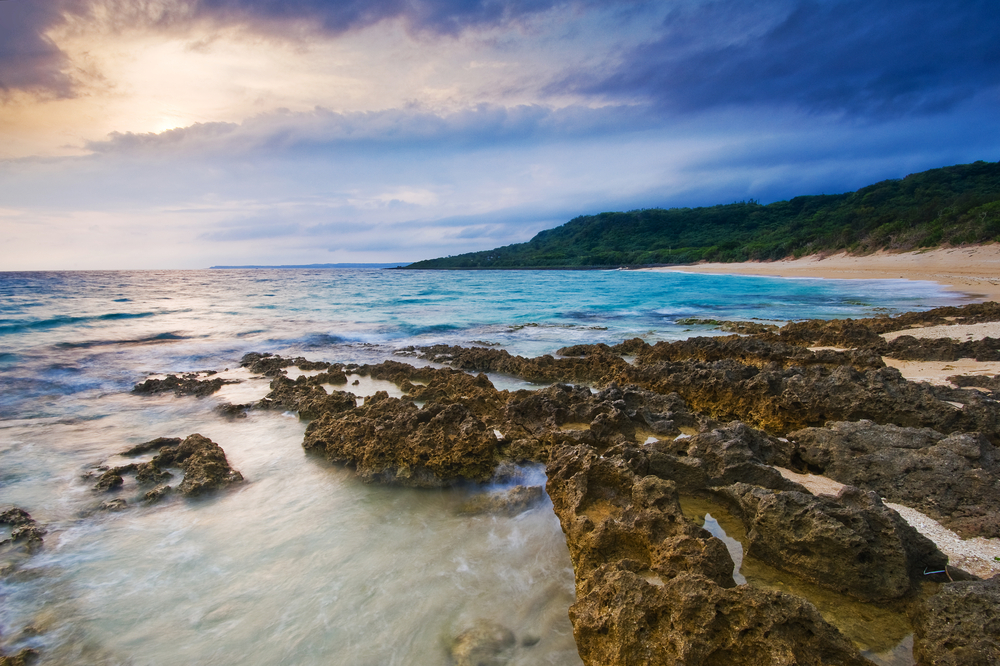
<point>151,134</point>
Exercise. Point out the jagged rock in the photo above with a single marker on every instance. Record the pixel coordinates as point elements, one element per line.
<point>205,466</point>
<point>230,410</point>
<point>955,478</point>
<point>653,588</point>
<point>959,625</point>
<point>391,441</point>
<point>758,353</point>
<point>305,396</point>
<point>909,348</point>
<point>596,367</point>
<point>152,445</point>
<point>720,457</point>
<point>150,473</point>
<point>203,461</point>
<point>25,530</point>
<point>25,657</point>
<point>271,365</point>
<point>110,480</point>
<point>779,400</point>
<point>506,502</point>
<point>485,644</point>
<point>117,504</point>
<point>157,493</point>
<point>852,544</point>
<point>188,384</point>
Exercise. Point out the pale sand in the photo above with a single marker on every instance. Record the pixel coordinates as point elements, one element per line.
<point>937,372</point>
<point>973,270</point>
<point>973,555</point>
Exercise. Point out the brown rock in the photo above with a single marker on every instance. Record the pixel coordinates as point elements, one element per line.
<point>959,625</point>
<point>953,478</point>
<point>485,644</point>
<point>852,544</point>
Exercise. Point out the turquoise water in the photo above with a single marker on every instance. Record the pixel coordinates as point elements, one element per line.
<point>302,564</point>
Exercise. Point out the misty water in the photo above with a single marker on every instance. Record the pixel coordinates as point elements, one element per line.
<point>303,563</point>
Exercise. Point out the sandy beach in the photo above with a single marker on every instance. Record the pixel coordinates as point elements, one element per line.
<point>973,270</point>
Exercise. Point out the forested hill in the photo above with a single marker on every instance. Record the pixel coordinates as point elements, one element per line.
<point>949,206</point>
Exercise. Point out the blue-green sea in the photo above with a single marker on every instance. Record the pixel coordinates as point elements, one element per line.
<point>303,564</point>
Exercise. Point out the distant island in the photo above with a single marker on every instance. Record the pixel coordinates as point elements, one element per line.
<point>395,264</point>
<point>951,206</point>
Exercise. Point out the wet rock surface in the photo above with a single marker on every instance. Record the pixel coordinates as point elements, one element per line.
<point>24,657</point>
<point>25,531</point>
<point>954,478</point>
<point>203,462</point>
<point>852,544</point>
<point>704,416</point>
<point>187,384</point>
<point>652,588</point>
<point>959,625</point>
<point>484,644</point>
<point>504,502</point>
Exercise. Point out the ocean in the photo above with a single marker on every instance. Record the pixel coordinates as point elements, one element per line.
<point>303,564</point>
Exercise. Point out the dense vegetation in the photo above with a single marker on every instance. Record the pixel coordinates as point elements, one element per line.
<point>950,206</point>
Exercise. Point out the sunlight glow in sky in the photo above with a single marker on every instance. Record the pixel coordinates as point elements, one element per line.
<point>187,133</point>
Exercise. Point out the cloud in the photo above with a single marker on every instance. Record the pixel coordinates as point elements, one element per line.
<point>867,58</point>
<point>28,59</point>
<point>322,131</point>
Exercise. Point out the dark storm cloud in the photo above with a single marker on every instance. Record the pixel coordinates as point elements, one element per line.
<point>28,60</point>
<point>882,58</point>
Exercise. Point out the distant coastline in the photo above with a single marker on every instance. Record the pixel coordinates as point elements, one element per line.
<point>395,264</point>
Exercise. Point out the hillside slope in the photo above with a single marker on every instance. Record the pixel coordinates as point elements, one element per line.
<point>948,206</point>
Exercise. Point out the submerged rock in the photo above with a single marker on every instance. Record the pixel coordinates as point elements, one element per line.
<point>25,657</point>
<point>485,644</point>
<point>959,625</point>
<point>505,502</point>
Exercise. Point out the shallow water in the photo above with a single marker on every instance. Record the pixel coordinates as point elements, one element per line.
<point>881,631</point>
<point>302,563</point>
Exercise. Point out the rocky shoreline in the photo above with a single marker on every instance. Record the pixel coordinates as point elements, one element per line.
<point>626,431</point>
<point>710,417</point>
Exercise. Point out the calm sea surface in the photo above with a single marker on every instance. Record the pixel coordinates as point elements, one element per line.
<point>302,564</point>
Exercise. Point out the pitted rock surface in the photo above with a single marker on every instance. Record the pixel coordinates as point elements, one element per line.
<point>954,478</point>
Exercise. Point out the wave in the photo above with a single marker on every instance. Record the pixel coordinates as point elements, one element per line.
<point>56,322</point>
<point>153,339</point>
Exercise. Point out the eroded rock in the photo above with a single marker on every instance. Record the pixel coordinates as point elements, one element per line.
<point>508,502</point>
<point>852,544</point>
<point>954,478</point>
<point>484,644</point>
<point>25,530</point>
<point>653,588</point>
<point>959,625</point>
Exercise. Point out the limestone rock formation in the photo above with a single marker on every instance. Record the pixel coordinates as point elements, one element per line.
<point>187,384</point>
<point>484,644</point>
<point>852,544</point>
<point>653,588</point>
<point>391,441</point>
<point>959,625</point>
<point>505,502</point>
<point>203,461</point>
<point>25,530</point>
<point>955,478</point>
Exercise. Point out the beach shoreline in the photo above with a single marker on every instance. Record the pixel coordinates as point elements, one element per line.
<point>974,270</point>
